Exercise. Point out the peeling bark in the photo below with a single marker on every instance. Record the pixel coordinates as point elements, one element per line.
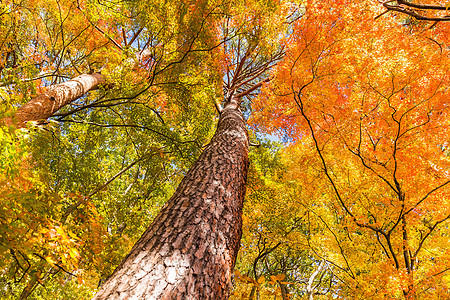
<point>45,105</point>
<point>190,249</point>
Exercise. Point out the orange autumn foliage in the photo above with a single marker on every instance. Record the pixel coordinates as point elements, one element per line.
<point>369,97</point>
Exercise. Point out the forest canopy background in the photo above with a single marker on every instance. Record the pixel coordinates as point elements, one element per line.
<point>350,201</point>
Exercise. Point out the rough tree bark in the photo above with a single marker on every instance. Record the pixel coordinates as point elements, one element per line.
<point>45,105</point>
<point>189,250</point>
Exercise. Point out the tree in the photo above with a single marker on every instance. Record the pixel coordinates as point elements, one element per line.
<point>189,250</point>
<point>371,127</point>
<point>46,105</point>
<point>348,207</point>
<point>278,258</point>
<point>245,79</point>
<point>73,175</point>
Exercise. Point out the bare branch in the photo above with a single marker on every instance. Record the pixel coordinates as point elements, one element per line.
<point>219,107</point>
<point>413,10</point>
<point>135,36</point>
<point>251,89</point>
<point>431,229</point>
<point>422,6</point>
<point>427,195</point>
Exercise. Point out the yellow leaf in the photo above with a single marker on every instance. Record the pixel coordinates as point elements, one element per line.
<point>247,279</point>
<point>73,235</point>
<point>50,260</point>
<point>74,253</point>
<point>280,277</point>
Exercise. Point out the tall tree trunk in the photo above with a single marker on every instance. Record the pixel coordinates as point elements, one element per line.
<point>45,105</point>
<point>189,250</point>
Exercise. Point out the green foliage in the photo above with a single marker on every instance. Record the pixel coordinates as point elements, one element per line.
<point>275,258</point>
<point>78,194</point>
